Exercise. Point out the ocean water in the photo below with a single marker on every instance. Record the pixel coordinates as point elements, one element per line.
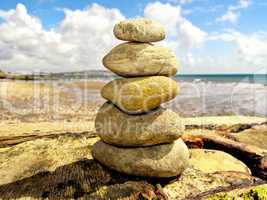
<point>217,78</point>
<point>221,97</point>
<point>216,94</point>
<point>224,78</point>
<point>220,94</point>
<point>202,94</point>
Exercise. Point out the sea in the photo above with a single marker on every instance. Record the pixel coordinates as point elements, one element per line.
<point>223,94</point>
<point>219,94</point>
<point>223,78</point>
<point>200,94</point>
<point>214,94</point>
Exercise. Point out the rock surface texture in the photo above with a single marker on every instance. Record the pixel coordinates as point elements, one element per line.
<point>256,136</point>
<point>211,161</point>
<point>159,126</point>
<point>146,137</point>
<point>84,178</point>
<point>164,160</point>
<point>61,167</point>
<point>140,95</point>
<point>139,30</point>
<point>247,193</point>
<point>141,59</point>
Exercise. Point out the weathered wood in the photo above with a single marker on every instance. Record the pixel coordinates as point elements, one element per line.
<point>61,167</point>
<point>84,180</point>
<point>13,132</point>
<point>16,133</point>
<point>61,145</point>
<point>246,192</point>
<point>45,154</point>
<point>252,156</point>
<point>87,179</point>
<point>263,167</point>
<point>256,136</point>
<point>7,142</point>
<point>223,123</point>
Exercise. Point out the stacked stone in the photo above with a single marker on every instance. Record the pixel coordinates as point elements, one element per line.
<point>138,136</point>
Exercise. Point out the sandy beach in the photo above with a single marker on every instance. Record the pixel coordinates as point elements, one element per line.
<point>77,100</point>
<point>47,133</point>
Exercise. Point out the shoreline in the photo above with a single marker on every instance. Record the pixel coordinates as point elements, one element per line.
<point>106,75</point>
<point>48,132</point>
<point>31,100</point>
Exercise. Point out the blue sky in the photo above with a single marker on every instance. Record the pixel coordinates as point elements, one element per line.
<point>208,36</point>
<point>254,18</point>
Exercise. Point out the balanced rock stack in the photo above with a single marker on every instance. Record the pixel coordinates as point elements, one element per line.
<point>138,136</point>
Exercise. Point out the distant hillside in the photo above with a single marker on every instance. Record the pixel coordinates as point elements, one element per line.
<point>83,75</point>
<point>2,74</point>
<point>92,74</point>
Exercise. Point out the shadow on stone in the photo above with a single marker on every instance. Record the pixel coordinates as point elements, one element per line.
<point>85,179</point>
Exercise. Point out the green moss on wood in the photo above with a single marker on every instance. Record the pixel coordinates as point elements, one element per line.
<point>22,77</point>
<point>256,193</point>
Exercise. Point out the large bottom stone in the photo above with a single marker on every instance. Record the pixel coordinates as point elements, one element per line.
<point>166,160</point>
<point>156,127</point>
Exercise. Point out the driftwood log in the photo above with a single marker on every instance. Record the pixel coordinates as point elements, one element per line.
<point>255,158</point>
<point>88,179</point>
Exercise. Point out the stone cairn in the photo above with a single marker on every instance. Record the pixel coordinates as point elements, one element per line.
<point>138,136</point>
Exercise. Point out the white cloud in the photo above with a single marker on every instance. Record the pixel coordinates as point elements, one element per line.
<point>202,9</point>
<point>233,12</point>
<point>186,1</point>
<point>182,36</point>
<point>79,43</point>
<point>189,58</point>
<point>252,49</point>
<point>187,11</point>
<point>166,14</point>
<point>183,32</point>
<point>180,1</point>
<point>89,32</point>
<point>225,36</point>
<point>82,38</point>
<point>244,3</point>
<point>230,16</point>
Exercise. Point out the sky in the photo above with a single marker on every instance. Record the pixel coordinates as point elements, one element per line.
<point>208,36</point>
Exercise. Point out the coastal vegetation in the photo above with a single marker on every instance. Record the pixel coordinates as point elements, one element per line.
<point>2,74</point>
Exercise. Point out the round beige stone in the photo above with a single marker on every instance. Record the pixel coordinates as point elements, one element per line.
<point>118,128</point>
<point>256,136</point>
<point>141,59</point>
<point>140,95</point>
<point>139,30</point>
<point>210,161</point>
<point>165,160</point>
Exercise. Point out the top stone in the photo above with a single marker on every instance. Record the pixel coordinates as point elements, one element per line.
<point>139,30</point>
